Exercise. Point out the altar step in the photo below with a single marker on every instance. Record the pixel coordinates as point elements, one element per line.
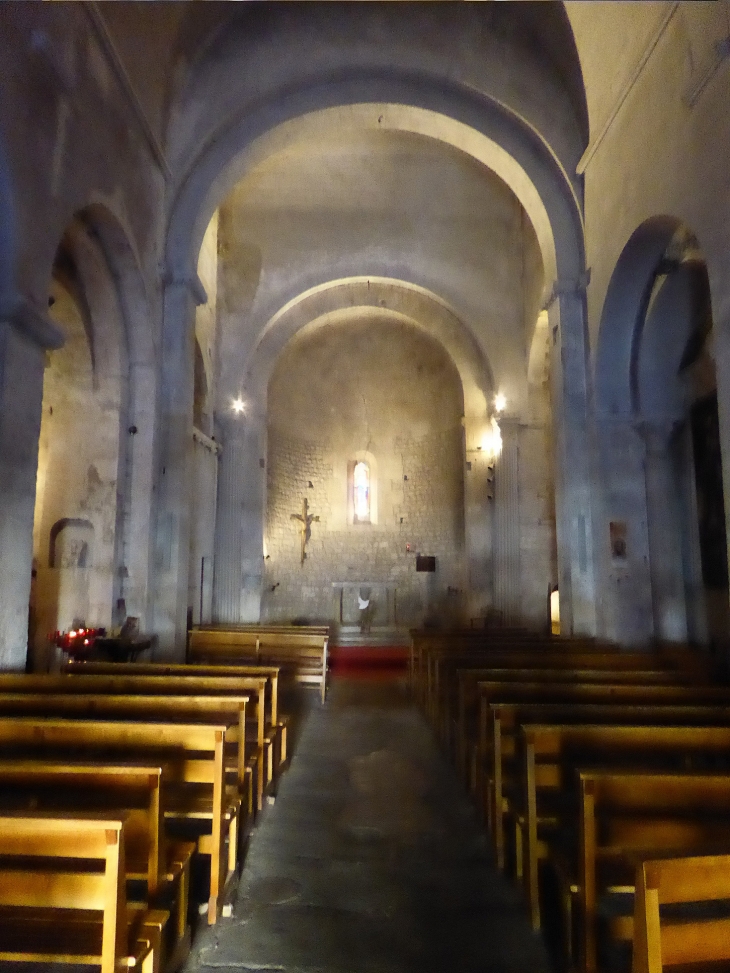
<point>387,636</point>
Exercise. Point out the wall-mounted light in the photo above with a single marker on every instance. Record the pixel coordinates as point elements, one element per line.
<point>492,439</point>
<point>500,402</point>
<point>238,406</point>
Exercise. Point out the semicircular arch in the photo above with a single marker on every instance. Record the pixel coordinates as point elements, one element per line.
<point>468,121</point>
<point>389,297</point>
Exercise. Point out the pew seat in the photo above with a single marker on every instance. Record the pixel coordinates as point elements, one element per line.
<point>63,899</point>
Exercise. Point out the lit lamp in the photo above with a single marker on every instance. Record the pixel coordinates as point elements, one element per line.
<point>238,406</point>
<point>500,402</point>
<point>492,439</point>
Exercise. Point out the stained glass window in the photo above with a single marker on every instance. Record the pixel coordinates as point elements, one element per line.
<point>361,492</point>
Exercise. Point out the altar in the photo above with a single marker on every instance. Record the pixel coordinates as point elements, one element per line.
<point>382,597</point>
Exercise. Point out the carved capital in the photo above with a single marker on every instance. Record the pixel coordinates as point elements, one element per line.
<point>31,321</point>
<point>568,288</point>
<point>175,278</point>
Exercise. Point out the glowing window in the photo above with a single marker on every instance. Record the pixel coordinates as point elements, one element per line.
<point>361,492</point>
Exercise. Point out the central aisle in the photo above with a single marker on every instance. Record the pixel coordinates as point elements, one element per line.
<point>371,859</point>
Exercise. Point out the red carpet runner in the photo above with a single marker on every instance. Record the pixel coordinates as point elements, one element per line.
<point>369,660</point>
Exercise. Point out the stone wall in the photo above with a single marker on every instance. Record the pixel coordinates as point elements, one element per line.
<point>419,474</point>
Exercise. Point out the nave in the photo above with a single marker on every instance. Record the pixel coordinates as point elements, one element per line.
<point>371,859</point>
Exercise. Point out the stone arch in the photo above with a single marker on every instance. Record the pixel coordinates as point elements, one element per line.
<point>490,132</point>
<point>655,324</point>
<point>398,298</point>
<point>624,308</point>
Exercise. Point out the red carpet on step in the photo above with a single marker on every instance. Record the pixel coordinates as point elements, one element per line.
<point>368,660</point>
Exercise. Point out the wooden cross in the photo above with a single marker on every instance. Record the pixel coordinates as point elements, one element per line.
<point>306,520</point>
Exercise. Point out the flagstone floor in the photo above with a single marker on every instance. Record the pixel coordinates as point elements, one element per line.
<point>371,859</point>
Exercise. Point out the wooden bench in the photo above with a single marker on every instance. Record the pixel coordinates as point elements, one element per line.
<point>196,795</point>
<point>230,710</point>
<point>444,668</point>
<point>676,881</point>
<point>467,694</point>
<point>276,721</point>
<point>50,863</point>
<point>304,655</point>
<point>550,756</point>
<point>491,794</point>
<point>163,866</point>
<point>184,685</point>
<point>498,773</point>
<point>628,818</point>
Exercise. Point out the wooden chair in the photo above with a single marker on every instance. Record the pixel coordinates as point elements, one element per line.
<point>674,881</point>
<point>56,906</point>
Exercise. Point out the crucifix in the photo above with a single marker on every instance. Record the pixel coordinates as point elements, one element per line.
<point>306,520</point>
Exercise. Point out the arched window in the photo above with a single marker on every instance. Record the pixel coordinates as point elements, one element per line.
<point>361,492</point>
<point>362,489</point>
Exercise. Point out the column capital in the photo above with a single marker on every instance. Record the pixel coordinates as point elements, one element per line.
<point>30,321</point>
<point>567,287</point>
<point>172,277</point>
<point>657,433</point>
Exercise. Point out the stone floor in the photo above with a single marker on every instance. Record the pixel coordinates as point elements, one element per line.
<point>371,859</point>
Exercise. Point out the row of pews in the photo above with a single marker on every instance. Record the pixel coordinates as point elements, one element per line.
<point>603,777</point>
<point>127,791</point>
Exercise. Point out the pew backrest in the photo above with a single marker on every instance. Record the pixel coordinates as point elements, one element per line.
<point>676,881</point>
<point>70,843</point>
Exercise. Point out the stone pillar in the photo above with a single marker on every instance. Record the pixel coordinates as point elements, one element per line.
<point>24,333</point>
<point>239,553</point>
<point>172,549</point>
<point>478,519</point>
<point>507,524</point>
<point>694,585</point>
<point>664,522</point>
<point>141,458</point>
<point>575,475</point>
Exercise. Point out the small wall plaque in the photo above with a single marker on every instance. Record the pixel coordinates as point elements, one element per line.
<point>425,562</point>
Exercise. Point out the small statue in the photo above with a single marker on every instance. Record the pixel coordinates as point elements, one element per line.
<point>306,520</point>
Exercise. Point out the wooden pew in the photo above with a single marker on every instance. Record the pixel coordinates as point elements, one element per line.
<point>277,722</point>
<point>467,693</point>
<point>499,777</point>
<point>304,655</point>
<point>188,685</point>
<point>629,818</point>
<point>567,694</point>
<point>676,881</point>
<point>196,793</point>
<point>42,871</point>
<point>230,710</point>
<point>134,789</point>
<point>551,754</point>
<point>443,667</point>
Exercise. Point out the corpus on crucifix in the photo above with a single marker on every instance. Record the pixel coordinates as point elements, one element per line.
<point>306,520</point>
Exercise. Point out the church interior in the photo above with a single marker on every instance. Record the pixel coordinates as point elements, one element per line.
<point>364,420</point>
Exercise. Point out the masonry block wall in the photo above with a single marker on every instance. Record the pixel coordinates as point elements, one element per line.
<point>418,474</point>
